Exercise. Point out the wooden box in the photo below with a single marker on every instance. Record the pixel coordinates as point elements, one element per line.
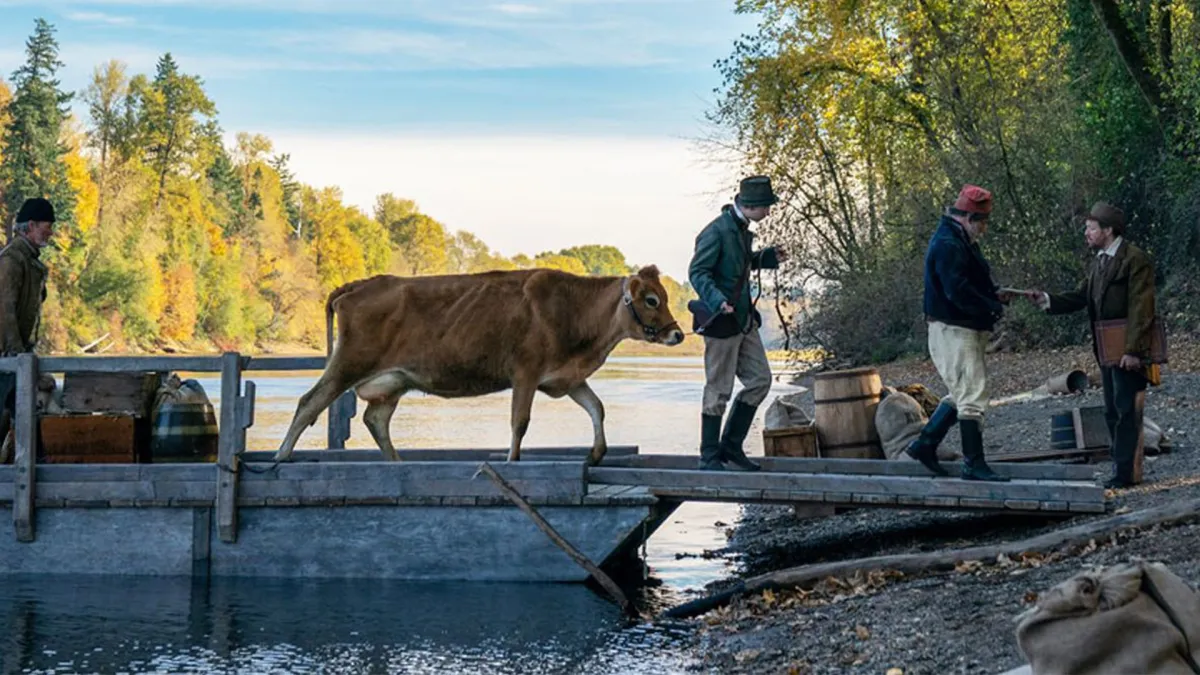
<point>130,393</point>
<point>790,442</point>
<point>93,439</point>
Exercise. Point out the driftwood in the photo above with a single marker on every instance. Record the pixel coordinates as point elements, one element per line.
<point>516,498</point>
<point>942,560</point>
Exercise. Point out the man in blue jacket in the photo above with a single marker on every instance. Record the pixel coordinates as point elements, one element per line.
<point>726,317</point>
<point>962,306</point>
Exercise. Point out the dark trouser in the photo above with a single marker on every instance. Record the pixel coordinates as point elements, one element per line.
<point>1121,388</point>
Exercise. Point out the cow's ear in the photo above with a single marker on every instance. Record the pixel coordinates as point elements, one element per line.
<point>649,272</point>
<point>635,285</point>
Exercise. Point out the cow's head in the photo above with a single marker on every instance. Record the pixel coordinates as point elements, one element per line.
<point>650,308</point>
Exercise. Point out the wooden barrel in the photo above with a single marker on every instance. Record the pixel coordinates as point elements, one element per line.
<point>1062,431</point>
<point>844,402</point>
<point>184,432</point>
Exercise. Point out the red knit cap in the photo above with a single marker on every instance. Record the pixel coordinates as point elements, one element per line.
<point>974,199</point>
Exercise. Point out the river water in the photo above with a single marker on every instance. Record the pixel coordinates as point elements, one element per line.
<point>126,625</point>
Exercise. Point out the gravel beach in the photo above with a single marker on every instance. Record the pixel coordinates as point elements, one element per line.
<point>962,621</point>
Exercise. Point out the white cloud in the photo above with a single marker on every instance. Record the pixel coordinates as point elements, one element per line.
<point>100,17</point>
<point>526,194</point>
<point>516,8</point>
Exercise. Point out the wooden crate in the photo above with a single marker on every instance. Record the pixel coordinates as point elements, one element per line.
<point>131,393</point>
<point>93,439</point>
<point>790,442</point>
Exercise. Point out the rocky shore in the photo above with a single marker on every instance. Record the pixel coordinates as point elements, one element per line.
<point>962,621</point>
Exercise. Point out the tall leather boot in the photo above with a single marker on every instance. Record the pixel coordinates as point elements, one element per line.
<point>710,443</point>
<point>974,466</point>
<point>736,428</point>
<point>924,447</point>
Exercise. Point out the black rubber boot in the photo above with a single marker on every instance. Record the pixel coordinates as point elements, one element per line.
<point>924,447</point>
<point>736,428</point>
<point>710,443</point>
<point>974,466</point>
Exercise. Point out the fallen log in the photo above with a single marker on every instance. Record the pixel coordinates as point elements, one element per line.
<point>942,560</point>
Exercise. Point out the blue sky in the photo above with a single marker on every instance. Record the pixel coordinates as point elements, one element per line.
<point>523,121</point>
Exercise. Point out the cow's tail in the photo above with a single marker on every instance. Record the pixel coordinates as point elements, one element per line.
<point>334,295</point>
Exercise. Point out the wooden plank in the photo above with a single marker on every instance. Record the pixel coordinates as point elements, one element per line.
<point>941,502</point>
<point>854,484</point>
<point>878,500</point>
<point>1022,504</point>
<point>191,491</point>
<point>231,441</point>
<point>972,503</point>
<point>550,453</point>
<point>130,392</point>
<point>872,467</point>
<point>1054,506</point>
<point>122,364</point>
<point>88,473</point>
<point>97,491</point>
<point>201,542</point>
<point>25,431</point>
<point>288,363</point>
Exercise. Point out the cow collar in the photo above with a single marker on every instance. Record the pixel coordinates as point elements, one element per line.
<point>627,299</point>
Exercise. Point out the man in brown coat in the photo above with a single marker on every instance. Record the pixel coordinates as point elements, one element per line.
<point>1119,285</point>
<point>22,290</point>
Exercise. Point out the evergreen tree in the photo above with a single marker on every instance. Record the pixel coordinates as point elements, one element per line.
<point>33,163</point>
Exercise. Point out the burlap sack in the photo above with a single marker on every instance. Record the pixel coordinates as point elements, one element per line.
<point>899,419</point>
<point>1131,618</point>
<point>785,411</point>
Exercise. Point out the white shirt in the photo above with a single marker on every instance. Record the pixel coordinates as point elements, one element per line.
<point>1111,252</point>
<point>738,212</point>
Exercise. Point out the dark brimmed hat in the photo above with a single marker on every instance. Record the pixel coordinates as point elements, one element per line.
<point>36,209</point>
<point>756,191</point>
<point>1109,216</point>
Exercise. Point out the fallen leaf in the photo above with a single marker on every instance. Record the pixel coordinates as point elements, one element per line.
<point>862,632</point>
<point>895,671</point>
<point>747,655</point>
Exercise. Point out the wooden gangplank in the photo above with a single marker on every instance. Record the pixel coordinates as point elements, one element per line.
<point>1040,489</point>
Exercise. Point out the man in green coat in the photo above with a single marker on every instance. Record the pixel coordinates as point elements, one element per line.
<point>22,290</point>
<point>726,317</point>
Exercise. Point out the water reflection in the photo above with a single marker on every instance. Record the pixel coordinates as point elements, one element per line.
<point>286,626</point>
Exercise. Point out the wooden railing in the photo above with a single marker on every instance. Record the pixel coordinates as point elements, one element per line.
<point>236,415</point>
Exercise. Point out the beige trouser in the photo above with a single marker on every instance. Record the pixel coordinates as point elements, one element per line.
<point>742,356</point>
<point>957,354</point>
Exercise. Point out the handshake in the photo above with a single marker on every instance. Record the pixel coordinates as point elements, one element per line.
<point>1006,295</point>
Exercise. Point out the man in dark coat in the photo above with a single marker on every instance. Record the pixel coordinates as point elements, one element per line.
<point>1119,285</point>
<point>22,290</point>
<point>726,317</point>
<point>962,306</point>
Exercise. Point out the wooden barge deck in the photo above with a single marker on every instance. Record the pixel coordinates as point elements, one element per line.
<point>344,513</point>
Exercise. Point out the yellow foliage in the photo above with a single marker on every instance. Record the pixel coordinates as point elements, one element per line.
<point>179,316</point>
<point>87,195</point>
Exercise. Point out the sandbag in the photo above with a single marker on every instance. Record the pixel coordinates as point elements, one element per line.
<point>785,411</point>
<point>1154,441</point>
<point>1136,617</point>
<point>179,391</point>
<point>899,420</point>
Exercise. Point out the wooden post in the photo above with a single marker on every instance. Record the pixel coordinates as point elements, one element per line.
<point>25,435</point>
<point>1139,405</point>
<point>515,497</point>
<point>231,441</point>
<point>340,414</point>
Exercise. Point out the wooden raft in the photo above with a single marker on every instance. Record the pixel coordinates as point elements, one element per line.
<point>1040,489</point>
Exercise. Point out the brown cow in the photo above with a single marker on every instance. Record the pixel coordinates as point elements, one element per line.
<point>475,334</point>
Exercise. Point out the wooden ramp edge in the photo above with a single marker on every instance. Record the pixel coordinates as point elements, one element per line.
<point>1018,495</point>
